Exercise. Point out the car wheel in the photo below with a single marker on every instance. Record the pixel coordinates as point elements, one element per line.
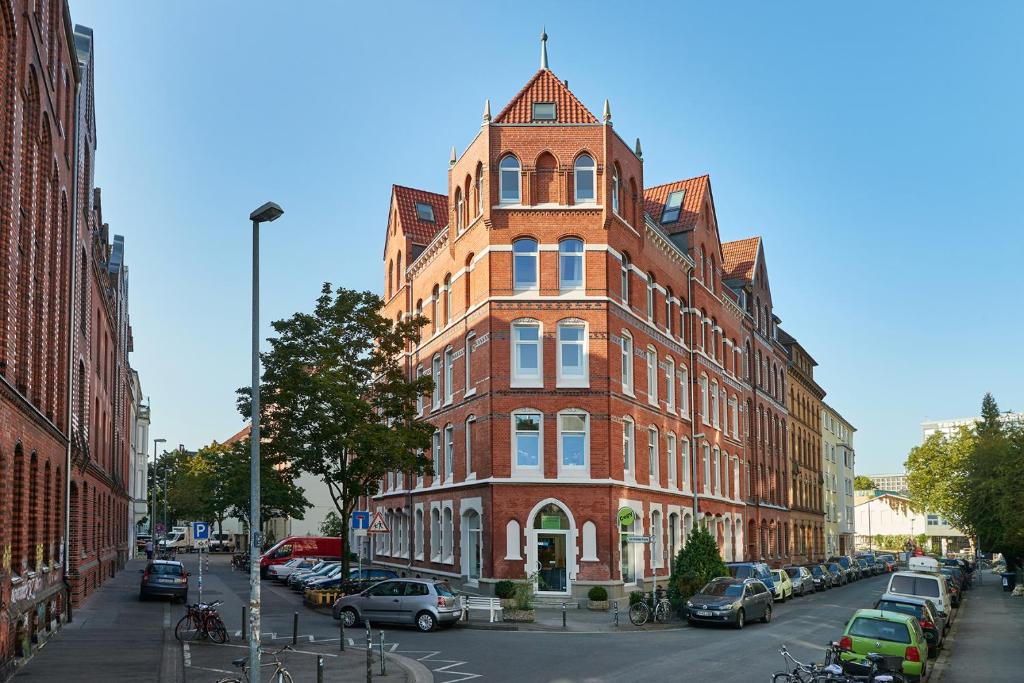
<point>740,618</point>
<point>349,617</point>
<point>767,614</point>
<point>425,622</point>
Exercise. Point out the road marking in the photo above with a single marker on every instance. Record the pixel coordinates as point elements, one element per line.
<point>187,654</point>
<point>167,615</point>
<point>394,647</point>
<point>449,664</point>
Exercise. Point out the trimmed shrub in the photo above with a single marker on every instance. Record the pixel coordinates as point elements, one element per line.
<point>597,594</point>
<point>505,589</point>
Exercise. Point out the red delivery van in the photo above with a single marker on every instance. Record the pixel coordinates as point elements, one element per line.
<point>326,547</point>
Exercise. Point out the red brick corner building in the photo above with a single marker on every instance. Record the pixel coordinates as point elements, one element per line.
<point>64,437</point>
<point>593,345</point>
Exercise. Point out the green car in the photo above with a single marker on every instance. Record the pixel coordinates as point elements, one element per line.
<point>896,636</point>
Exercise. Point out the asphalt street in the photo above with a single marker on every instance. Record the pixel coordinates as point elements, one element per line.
<point>805,625</point>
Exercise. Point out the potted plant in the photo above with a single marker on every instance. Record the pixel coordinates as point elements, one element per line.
<point>505,590</point>
<point>597,598</point>
<point>522,608</point>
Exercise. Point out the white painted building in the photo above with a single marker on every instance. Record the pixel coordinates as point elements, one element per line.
<point>951,427</point>
<point>891,515</point>
<point>138,474</point>
<point>837,472</point>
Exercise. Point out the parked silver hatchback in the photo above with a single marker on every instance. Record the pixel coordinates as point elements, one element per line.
<point>423,602</point>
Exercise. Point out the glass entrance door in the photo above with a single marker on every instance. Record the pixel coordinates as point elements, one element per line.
<point>551,574</point>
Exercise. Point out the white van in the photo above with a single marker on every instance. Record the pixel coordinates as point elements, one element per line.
<point>923,564</point>
<point>924,584</point>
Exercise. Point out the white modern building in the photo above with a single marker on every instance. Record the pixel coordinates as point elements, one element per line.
<point>892,515</point>
<point>890,482</point>
<point>837,472</point>
<point>951,427</point>
<point>139,458</point>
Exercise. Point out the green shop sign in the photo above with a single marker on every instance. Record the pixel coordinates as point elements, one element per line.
<point>626,516</point>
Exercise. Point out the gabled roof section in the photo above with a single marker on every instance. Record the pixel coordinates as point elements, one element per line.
<point>693,199</point>
<point>420,231</point>
<point>545,87</point>
<point>741,258</point>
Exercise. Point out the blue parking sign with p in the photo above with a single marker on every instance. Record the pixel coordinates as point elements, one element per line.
<point>201,531</point>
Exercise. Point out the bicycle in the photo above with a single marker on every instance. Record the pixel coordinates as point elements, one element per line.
<point>834,670</point>
<point>281,674</point>
<point>201,621</point>
<point>640,612</point>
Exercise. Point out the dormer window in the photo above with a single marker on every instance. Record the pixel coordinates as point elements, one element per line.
<point>425,212</point>
<point>673,205</point>
<point>543,111</point>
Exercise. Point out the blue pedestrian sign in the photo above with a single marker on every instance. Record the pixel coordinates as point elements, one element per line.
<point>201,531</point>
<point>361,519</point>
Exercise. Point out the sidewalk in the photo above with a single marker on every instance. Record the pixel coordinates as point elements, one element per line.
<point>206,662</point>
<point>113,637</point>
<point>989,640</point>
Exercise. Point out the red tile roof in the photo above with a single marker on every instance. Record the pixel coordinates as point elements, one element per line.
<point>420,232</point>
<point>695,189</point>
<point>740,258</point>
<point>545,87</point>
<point>240,436</point>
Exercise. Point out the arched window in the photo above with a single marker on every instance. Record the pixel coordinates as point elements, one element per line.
<point>524,264</point>
<point>616,188</point>
<point>570,264</point>
<point>449,384</point>
<point>436,376</point>
<point>670,458</point>
<point>391,278</point>
<point>684,390</point>
<point>656,532</point>
<point>668,310</point>
<point>652,376</point>
<point>447,299</point>
<point>650,297</point>
<point>653,457</point>
<point>467,279</point>
<point>479,189</point>
<point>435,535</point>
<point>470,468</point>
<point>627,362</point>
<point>584,179</point>
<point>624,283</point>
<point>460,211</point>
<point>628,447</point>
<point>714,403</point>
<point>508,179</point>
<point>670,384</point>
<point>704,399</point>
<point>435,294</point>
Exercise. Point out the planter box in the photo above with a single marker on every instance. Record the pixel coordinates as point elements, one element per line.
<point>508,604</point>
<point>518,615</point>
<point>598,605</point>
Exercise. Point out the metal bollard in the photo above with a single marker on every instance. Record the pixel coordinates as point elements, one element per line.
<point>295,628</point>
<point>616,603</point>
<point>382,672</point>
<point>319,669</point>
<point>341,632</point>
<point>369,654</point>
<point>243,623</point>
<point>563,615</point>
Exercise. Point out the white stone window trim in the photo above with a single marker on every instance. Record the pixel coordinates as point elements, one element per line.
<point>626,362</point>
<point>518,379</point>
<point>652,375</point>
<point>561,380</point>
<point>575,471</point>
<point>532,471</point>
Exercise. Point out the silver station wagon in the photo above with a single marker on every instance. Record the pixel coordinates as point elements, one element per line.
<point>423,602</point>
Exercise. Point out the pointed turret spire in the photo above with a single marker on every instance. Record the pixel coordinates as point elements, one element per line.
<point>639,152</point>
<point>487,110</point>
<point>607,112</point>
<point>454,157</point>
<point>543,48</point>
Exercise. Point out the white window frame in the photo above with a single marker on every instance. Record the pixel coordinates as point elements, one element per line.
<point>502,182</point>
<point>576,172</point>
<point>652,376</point>
<point>435,446</point>
<point>715,422</point>
<point>436,374</point>
<point>561,378</point>
<point>705,418</point>
<point>519,377</point>
<point>670,384</point>
<point>565,470</point>
<point>615,189</point>
<point>629,448</point>
<point>684,390</point>
<point>447,300</point>
<point>449,385</point>
<point>670,458</point>
<point>420,400</point>
<point>656,534</point>
<point>626,344</point>
<point>468,353</point>
<point>516,255</point>
<point>716,472</point>
<point>625,266</point>
<point>684,464</point>
<point>580,256</point>
<point>528,470</point>
<point>650,297</point>
<point>653,457</point>
<point>706,462</point>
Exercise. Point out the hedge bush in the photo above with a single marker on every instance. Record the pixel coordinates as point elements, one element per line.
<point>598,594</point>
<point>505,589</point>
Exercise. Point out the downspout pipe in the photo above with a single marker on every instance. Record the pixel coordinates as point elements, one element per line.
<point>692,401</point>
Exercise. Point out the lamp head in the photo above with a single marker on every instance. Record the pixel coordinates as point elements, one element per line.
<point>266,213</point>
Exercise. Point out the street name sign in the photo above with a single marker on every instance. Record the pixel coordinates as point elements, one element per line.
<point>638,538</point>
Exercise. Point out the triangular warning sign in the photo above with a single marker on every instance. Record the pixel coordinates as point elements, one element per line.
<point>378,525</point>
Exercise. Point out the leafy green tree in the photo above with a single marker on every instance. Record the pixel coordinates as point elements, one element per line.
<point>697,562</point>
<point>280,496</point>
<point>331,526</point>
<point>862,483</point>
<point>990,425</point>
<point>937,476</point>
<point>339,404</point>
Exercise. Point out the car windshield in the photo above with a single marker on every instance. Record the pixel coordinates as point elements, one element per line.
<point>444,590</point>
<point>741,571</point>
<point>723,588</point>
<point>915,585</point>
<point>166,569</point>
<point>905,607</point>
<point>816,571</point>
<point>878,629</point>
<point>778,574</point>
<point>834,567</point>
<point>793,571</point>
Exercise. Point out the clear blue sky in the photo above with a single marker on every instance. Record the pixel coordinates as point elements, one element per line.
<point>876,146</point>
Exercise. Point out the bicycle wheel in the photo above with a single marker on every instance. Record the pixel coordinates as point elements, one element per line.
<point>230,679</point>
<point>187,628</point>
<point>639,613</point>
<point>215,628</point>
<point>281,676</point>
<point>661,612</point>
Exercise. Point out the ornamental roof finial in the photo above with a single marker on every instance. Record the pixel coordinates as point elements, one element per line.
<point>543,48</point>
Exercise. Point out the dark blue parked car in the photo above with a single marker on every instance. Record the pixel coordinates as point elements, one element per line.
<point>752,570</point>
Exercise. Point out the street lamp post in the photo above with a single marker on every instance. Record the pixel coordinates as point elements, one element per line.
<point>264,214</point>
<point>152,516</point>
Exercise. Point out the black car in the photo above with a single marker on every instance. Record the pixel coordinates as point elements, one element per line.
<point>164,578</point>
<point>822,577</point>
<point>849,568</point>
<point>865,568</point>
<point>839,577</point>
<point>730,601</point>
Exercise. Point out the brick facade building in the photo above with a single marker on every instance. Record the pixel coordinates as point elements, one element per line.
<point>594,346</point>
<point>45,424</point>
